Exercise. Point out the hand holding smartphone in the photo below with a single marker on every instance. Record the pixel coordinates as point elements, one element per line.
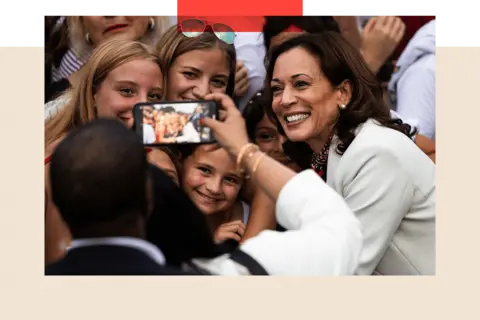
<point>178,122</point>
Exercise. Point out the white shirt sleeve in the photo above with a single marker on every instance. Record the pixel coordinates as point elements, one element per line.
<point>416,95</point>
<point>251,50</point>
<point>324,237</point>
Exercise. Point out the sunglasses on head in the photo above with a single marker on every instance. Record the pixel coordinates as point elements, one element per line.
<point>194,27</point>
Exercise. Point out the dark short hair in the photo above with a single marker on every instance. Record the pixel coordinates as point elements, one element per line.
<point>98,174</point>
<point>274,25</point>
<point>340,61</point>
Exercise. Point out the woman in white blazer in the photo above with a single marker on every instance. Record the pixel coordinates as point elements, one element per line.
<point>324,237</point>
<point>324,95</point>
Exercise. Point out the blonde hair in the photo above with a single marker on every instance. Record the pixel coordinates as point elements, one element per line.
<point>173,44</point>
<point>80,108</point>
<point>79,44</point>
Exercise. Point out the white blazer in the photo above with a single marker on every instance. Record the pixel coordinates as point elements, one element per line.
<point>323,239</point>
<point>389,183</point>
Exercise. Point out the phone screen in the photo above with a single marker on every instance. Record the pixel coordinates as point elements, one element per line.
<point>174,122</point>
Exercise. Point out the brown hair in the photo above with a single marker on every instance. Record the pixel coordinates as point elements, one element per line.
<point>80,108</point>
<point>56,41</point>
<point>340,61</point>
<point>173,44</point>
<point>174,155</point>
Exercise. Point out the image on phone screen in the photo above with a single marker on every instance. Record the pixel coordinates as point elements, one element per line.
<point>174,122</point>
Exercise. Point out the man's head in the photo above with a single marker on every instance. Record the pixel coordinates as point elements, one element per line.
<point>99,178</point>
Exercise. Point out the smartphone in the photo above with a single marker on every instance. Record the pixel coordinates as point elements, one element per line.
<point>178,122</point>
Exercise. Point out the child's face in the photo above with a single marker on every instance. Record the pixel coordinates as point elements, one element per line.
<point>210,179</point>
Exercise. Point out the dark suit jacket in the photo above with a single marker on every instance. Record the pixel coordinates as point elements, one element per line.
<point>109,260</point>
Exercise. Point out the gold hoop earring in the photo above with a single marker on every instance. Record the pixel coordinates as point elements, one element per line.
<point>87,38</point>
<point>151,24</point>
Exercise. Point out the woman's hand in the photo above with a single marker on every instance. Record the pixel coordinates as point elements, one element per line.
<point>241,79</point>
<point>230,230</point>
<point>230,132</point>
<point>380,37</point>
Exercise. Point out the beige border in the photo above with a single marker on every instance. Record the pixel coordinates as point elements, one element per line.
<point>29,295</point>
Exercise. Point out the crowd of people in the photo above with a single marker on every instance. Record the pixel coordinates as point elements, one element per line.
<point>324,153</point>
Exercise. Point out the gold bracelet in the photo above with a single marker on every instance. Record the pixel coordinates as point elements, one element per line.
<point>242,153</point>
<point>246,160</point>
<point>257,162</point>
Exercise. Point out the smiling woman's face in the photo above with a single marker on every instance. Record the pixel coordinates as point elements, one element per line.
<point>119,27</point>
<point>133,82</point>
<point>210,179</point>
<point>197,73</point>
<point>304,101</point>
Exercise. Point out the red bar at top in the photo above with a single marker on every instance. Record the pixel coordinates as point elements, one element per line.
<point>248,8</point>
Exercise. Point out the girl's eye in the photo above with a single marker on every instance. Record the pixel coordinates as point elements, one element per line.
<point>155,96</point>
<point>231,180</point>
<point>265,136</point>
<point>204,170</point>
<point>219,83</point>
<point>189,75</point>
<point>126,92</point>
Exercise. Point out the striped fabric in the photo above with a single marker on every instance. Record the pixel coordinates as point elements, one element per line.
<point>70,64</point>
<point>70,61</point>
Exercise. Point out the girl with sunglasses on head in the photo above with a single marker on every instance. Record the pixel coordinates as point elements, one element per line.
<point>248,43</point>
<point>196,65</point>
